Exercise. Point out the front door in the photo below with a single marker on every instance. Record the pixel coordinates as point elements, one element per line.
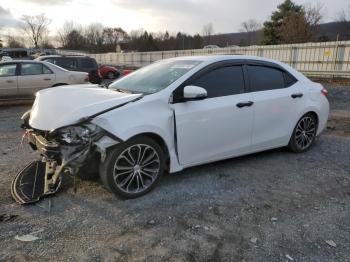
<point>8,80</point>
<point>219,126</point>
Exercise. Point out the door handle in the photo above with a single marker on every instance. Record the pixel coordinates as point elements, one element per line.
<point>243,104</point>
<point>47,79</point>
<point>297,95</point>
<point>9,81</point>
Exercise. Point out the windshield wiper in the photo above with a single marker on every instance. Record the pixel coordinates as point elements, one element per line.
<point>123,90</point>
<point>127,91</point>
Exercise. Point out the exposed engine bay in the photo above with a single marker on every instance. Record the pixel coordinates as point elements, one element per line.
<point>63,151</point>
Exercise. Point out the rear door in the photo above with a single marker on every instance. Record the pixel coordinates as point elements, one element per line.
<point>275,108</point>
<point>215,128</point>
<point>8,80</point>
<point>34,77</point>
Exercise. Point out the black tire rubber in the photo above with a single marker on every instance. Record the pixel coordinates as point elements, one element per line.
<point>90,170</point>
<point>106,167</point>
<point>60,84</point>
<point>292,146</point>
<point>110,75</point>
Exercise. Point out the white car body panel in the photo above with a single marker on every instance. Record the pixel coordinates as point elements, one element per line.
<point>194,132</point>
<point>275,114</point>
<point>208,124</point>
<point>61,106</point>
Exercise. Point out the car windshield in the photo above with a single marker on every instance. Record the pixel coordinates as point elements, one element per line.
<point>155,77</point>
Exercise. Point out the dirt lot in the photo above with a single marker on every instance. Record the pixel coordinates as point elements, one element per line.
<point>272,206</point>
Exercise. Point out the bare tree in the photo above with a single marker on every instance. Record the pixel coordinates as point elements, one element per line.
<point>208,31</point>
<point>1,43</point>
<point>113,36</point>
<point>313,14</point>
<point>15,42</point>
<point>35,27</point>
<point>343,19</point>
<point>64,33</point>
<point>250,27</point>
<point>93,34</point>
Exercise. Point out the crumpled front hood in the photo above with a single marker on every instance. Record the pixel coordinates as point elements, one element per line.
<point>61,106</point>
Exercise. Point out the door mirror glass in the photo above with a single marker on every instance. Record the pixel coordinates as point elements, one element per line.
<point>194,93</point>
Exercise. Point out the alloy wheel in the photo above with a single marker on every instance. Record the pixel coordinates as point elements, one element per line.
<point>305,132</point>
<point>136,168</point>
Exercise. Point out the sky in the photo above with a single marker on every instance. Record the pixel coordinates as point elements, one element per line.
<point>187,16</point>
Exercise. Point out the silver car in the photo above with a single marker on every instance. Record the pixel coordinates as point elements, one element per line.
<point>23,78</point>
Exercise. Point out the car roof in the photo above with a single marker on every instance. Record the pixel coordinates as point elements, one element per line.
<point>24,61</point>
<point>217,58</point>
<point>70,56</point>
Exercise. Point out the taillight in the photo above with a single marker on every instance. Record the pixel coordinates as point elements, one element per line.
<point>87,78</point>
<point>324,92</point>
<point>126,72</point>
<point>99,73</point>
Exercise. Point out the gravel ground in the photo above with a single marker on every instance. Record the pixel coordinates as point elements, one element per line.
<point>271,206</point>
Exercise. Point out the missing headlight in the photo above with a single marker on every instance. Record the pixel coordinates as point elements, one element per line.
<point>77,135</point>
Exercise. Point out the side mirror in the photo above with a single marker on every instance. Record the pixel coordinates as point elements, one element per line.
<point>194,93</point>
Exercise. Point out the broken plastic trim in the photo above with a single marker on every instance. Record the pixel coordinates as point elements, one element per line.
<point>30,183</point>
<point>41,178</point>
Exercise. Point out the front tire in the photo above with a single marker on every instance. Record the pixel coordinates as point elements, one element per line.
<point>133,168</point>
<point>304,134</point>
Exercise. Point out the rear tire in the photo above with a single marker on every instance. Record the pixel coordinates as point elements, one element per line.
<point>133,168</point>
<point>304,134</point>
<point>110,75</point>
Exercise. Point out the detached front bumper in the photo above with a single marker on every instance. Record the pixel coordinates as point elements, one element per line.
<point>47,149</point>
<point>66,151</point>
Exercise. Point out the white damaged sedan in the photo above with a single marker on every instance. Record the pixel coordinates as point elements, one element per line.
<point>171,115</point>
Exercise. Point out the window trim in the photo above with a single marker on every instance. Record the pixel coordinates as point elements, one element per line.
<point>48,68</point>
<point>268,65</point>
<point>178,92</point>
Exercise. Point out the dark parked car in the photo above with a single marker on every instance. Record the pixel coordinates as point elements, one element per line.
<point>76,63</point>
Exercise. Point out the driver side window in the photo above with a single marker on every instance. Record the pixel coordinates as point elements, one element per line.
<point>223,81</point>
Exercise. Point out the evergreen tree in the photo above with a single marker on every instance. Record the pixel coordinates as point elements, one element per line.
<point>271,28</point>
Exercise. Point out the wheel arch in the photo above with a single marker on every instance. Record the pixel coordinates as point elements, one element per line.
<point>304,112</point>
<point>60,84</point>
<point>160,141</point>
<point>314,113</point>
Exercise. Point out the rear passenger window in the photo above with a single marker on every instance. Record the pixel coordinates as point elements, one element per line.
<point>31,69</point>
<point>223,81</point>
<point>87,63</point>
<point>265,78</point>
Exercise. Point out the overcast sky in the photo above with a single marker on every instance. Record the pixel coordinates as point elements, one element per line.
<point>155,15</point>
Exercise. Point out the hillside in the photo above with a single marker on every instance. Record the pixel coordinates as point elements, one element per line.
<point>324,32</point>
